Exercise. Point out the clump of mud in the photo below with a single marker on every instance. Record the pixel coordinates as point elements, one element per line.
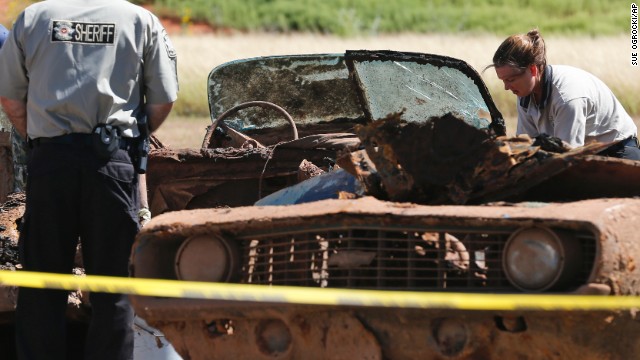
<point>8,254</point>
<point>445,160</point>
<point>11,213</point>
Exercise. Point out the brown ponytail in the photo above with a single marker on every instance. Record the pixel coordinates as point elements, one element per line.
<point>521,50</point>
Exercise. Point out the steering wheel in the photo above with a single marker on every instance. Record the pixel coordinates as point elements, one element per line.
<point>235,109</point>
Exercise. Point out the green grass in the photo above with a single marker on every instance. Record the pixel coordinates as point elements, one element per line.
<point>363,17</point>
<point>370,17</point>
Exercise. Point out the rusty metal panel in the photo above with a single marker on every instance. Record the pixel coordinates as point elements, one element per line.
<point>237,330</point>
<point>589,178</point>
<point>611,222</point>
<point>607,225</point>
<point>185,178</point>
<point>444,160</point>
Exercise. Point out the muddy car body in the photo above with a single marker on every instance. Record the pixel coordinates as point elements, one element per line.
<point>435,199</point>
<point>254,146</point>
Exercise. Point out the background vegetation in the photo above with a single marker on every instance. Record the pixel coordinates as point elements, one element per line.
<point>358,17</point>
<point>371,17</point>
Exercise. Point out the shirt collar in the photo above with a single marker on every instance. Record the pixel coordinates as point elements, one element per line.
<point>547,78</point>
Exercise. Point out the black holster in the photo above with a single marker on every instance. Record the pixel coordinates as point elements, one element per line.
<point>141,148</point>
<point>105,140</point>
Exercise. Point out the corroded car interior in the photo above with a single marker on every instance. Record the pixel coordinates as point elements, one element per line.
<point>268,114</point>
<point>410,184</point>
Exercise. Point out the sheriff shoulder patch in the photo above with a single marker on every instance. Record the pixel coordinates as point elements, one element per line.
<point>171,51</point>
<point>83,32</point>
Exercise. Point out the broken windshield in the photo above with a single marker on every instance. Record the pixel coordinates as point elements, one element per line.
<point>358,86</point>
<point>421,91</point>
<point>311,88</point>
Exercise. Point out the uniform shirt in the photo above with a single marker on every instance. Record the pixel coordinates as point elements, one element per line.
<point>78,63</point>
<point>576,107</point>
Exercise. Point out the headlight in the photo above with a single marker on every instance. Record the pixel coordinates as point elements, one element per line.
<point>537,259</point>
<point>206,258</point>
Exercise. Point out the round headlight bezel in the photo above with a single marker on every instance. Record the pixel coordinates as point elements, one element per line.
<point>522,258</point>
<point>207,258</point>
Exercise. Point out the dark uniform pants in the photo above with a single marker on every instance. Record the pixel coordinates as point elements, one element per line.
<point>71,195</point>
<point>629,149</point>
<point>625,149</point>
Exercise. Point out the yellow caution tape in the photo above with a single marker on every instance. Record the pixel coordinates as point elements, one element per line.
<point>316,296</point>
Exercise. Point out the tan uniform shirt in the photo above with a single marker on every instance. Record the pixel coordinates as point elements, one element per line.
<point>85,66</point>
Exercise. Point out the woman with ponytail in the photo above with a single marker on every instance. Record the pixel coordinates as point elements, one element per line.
<point>560,100</point>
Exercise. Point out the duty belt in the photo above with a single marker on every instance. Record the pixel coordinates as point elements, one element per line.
<point>631,141</point>
<point>75,139</point>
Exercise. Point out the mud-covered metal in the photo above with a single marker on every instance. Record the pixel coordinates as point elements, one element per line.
<point>235,331</point>
<point>327,97</point>
<point>603,227</point>
<point>444,160</point>
<point>222,177</point>
<point>427,132</point>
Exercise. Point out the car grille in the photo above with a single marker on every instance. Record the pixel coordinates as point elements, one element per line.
<point>388,258</point>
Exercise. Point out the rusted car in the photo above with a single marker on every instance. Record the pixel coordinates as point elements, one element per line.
<point>233,167</point>
<point>258,139</point>
<point>425,194</point>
